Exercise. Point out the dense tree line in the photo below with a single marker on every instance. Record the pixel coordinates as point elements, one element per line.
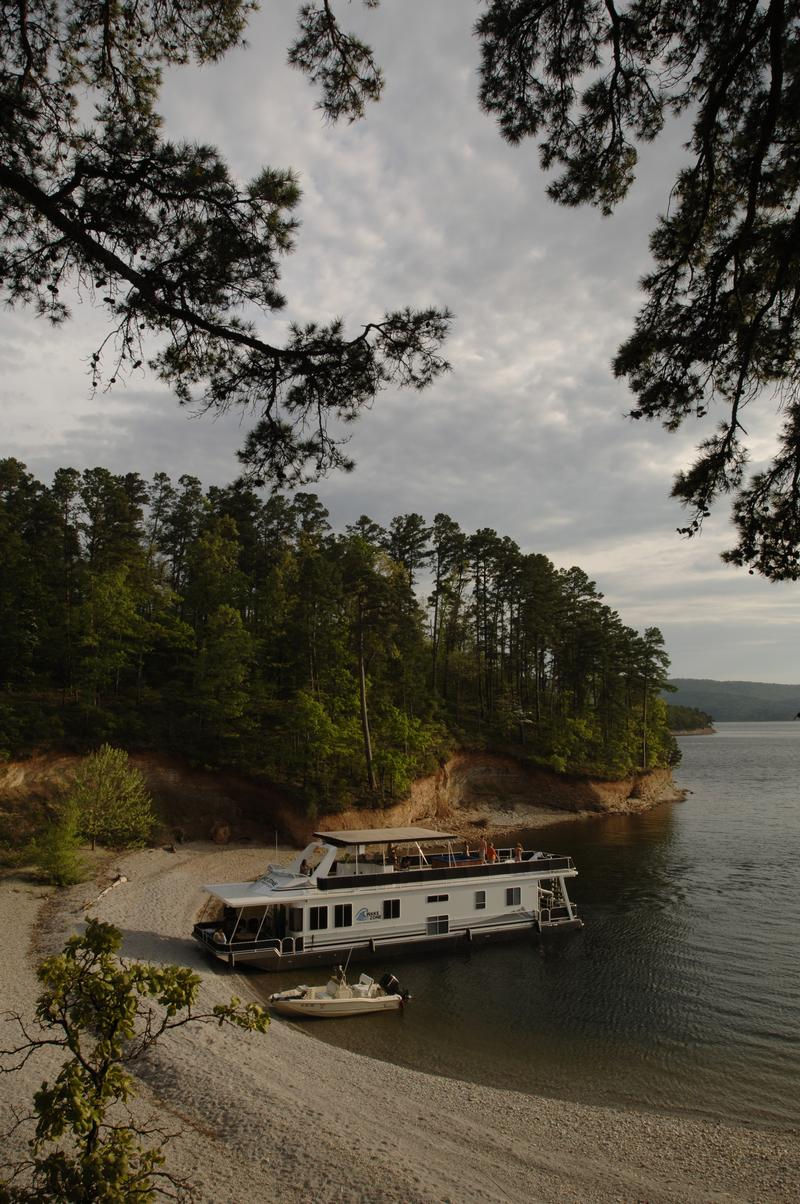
<point>687,719</point>
<point>241,630</point>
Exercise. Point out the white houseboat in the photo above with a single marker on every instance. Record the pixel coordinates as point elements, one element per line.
<point>384,891</point>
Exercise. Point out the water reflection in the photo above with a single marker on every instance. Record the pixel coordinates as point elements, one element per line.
<point>680,994</point>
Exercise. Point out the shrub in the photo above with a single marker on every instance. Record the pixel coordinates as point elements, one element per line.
<point>104,1013</point>
<point>112,801</point>
<point>55,852</point>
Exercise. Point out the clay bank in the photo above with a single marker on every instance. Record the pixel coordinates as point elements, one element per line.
<point>472,792</point>
<point>500,792</point>
<point>485,792</point>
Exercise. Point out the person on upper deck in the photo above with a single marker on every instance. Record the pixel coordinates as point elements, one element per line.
<point>491,853</point>
<point>482,848</point>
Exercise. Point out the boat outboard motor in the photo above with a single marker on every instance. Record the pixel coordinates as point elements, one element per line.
<point>392,987</point>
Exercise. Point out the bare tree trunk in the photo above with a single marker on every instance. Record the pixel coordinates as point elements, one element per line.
<point>362,689</point>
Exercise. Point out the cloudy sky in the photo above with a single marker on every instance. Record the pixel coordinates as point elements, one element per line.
<point>422,203</point>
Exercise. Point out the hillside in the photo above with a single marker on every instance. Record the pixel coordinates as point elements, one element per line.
<point>737,701</point>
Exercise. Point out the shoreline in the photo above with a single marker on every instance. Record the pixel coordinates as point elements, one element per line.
<point>472,822</point>
<point>287,1118</point>
<point>476,794</point>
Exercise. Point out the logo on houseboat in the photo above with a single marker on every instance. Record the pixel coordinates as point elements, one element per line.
<point>364,914</point>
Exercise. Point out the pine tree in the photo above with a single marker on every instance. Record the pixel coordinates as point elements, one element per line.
<point>112,801</point>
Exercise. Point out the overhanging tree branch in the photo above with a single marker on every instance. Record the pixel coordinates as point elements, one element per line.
<point>590,79</point>
<point>167,239</point>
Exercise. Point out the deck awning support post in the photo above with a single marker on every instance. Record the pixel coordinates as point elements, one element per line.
<point>261,925</point>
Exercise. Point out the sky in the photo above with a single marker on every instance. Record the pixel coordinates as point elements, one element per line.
<point>423,203</point>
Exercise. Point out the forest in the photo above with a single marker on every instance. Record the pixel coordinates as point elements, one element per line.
<point>687,719</point>
<point>235,628</point>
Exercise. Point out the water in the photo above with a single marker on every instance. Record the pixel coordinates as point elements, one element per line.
<point>683,992</point>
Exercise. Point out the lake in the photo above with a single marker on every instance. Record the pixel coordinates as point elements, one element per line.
<point>681,994</point>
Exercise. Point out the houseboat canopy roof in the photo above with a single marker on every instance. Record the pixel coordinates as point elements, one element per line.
<point>262,891</point>
<point>381,836</point>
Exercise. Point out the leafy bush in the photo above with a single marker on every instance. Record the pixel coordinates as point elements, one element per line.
<point>111,799</point>
<point>104,1013</point>
<point>55,851</point>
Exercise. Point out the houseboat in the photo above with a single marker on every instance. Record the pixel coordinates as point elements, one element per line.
<point>380,892</point>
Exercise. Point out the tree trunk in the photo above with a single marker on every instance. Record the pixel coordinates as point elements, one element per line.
<point>362,689</point>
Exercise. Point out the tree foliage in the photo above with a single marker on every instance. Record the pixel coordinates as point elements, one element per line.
<point>56,850</point>
<point>594,79</point>
<point>110,801</point>
<point>165,239</point>
<point>687,719</point>
<point>257,637</point>
<point>105,1014</point>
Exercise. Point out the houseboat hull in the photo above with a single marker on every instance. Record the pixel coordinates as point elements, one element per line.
<point>278,961</point>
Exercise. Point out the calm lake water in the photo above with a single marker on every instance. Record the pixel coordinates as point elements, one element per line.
<point>682,994</point>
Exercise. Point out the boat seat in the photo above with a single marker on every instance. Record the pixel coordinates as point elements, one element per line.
<point>365,980</point>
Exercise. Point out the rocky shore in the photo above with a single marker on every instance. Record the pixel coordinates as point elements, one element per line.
<point>281,1117</point>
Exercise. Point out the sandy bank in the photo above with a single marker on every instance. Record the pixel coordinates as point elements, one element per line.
<point>284,1118</point>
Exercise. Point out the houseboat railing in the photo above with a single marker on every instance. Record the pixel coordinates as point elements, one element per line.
<point>442,871</point>
<point>205,933</point>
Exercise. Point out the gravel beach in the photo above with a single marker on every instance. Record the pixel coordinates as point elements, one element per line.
<point>282,1117</point>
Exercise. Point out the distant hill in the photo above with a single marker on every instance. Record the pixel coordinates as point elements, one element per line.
<point>736,701</point>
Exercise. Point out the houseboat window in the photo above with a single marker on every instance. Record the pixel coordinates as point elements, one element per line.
<point>438,898</point>
<point>391,909</point>
<point>512,896</point>
<point>438,925</point>
<point>317,918</point>
<point>343,915</point>
<point>296,919</point>
<point>480,900</point>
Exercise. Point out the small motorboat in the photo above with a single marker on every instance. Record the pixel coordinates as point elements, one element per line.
<point>340,998</point>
